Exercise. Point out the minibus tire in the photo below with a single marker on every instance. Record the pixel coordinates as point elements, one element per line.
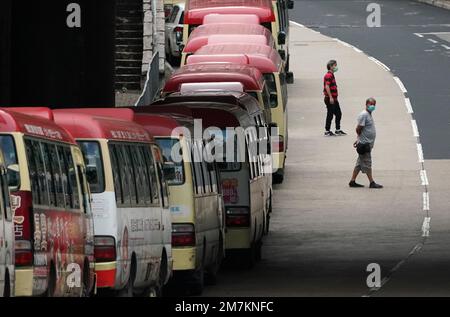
<point>277,178</point>
<point>50,291</point>
<point>128,290</point>
<point>198,284</point>
<point>7,288</point>
<point>86,280</point>
<point>211,276</point>
<point>258,250</point>
<point>249,256</point>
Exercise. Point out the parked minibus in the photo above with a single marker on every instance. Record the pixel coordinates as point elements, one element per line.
<point>266,10</point>
<point>53,226</point>
<point>268,61</point>
<point>129,197</point>
<point>7,276</point>
<point>220,32</point>
<point>252,79</point>
<point>196,202</point>
<point>246,184</point>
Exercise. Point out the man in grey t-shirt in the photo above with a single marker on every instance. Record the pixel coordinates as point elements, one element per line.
<point>366,135</point>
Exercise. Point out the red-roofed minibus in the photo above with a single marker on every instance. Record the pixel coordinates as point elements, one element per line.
<point>268,12</point>
<point>53,226</point>
<point>214,33</point>
<point>129,198</point>
<point>196,202</point>
<point>252,79</point>
<point>246,184</point>
<point>267,61</point>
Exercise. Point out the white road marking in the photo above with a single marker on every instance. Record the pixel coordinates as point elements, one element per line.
<point>446,47</point>
<point>426,201</point>
<point>418,34</point>
<point>433,41</point>
<point>400,84</point>
<point>408,105</point>
<point>424,177</point>
<point>426,227</point>
<point>415,129</point>
<point>420,152</point>
<point>342,42</point>
<point>297,24</point>
<point>356,49</point>
<point>376,61</point>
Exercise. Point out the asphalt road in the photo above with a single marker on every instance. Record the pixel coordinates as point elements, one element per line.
<point>422,63</point>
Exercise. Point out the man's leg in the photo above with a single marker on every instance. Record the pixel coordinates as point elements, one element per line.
<point>369,175</point>
<point>368,170</point>
<point>330,114</point>
<point>338,114</point>
<point>356,171</point>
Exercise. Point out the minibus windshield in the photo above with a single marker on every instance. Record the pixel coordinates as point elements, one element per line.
<point>94,167</point>
<point>9,152</point>
<point>173,167</point>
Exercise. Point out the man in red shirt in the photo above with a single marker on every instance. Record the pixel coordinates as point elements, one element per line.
<point>330,92</point>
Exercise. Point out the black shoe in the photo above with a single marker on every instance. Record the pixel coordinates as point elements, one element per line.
<point>340,132</point>
<point>375,185</point>
<point>355,184</point>
<point>329,133</point>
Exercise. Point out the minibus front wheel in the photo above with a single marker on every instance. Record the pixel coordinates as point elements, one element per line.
<point>198,278</point>
<point>128,290</point>
<point>51,285</point>
<point>7,287</point>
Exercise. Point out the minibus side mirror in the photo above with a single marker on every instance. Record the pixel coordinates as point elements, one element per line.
<point>290,77</point>
<point>273,100</point>
<point>283,78</point>
<point>281,38</point>
<point>290,4</point>
<point>13,176</point>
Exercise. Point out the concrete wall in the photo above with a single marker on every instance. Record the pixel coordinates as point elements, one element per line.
<point>154,25</point>
<point>438,3</point>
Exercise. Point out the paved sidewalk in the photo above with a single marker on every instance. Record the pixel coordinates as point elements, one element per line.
<point>324,234</point>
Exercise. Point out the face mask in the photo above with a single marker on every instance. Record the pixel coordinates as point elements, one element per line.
<point>371,108</point>
<point>335,69</point>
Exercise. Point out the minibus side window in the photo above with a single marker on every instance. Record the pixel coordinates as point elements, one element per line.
<point>42,177</point>
<point>49,174</point>
<point>72,177</point>
<point>206,177</point>
<point>198,169</point>
<point>116,174</point>
<point>132,172</point>
<point>194,172</point>
<point>146,175</point>
<point>125,173</point>
<point>66,172</point>
<point>94,165</point>
<point>140,175</point>
<point>57,176</point>
<point>213,177</point>
<point>10,154</point>
<point>152,172</point>
<point>33,172</point>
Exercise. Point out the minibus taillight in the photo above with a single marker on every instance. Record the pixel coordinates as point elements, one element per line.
<point>183,235</point>
<point>23,253</point>
<point>238,217</point>
<point>278,144</point>
<point>105,249</point>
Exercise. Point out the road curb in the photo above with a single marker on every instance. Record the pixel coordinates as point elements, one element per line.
<point>437,3</point>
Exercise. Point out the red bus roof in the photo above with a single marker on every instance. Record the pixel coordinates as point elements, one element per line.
<point>118,113</point>
<point>196,10</point>
<point>161,124</point>
<point>250,77</point>
<point>201,35</point>
<point>89,126</point>
<point>263,57</point>
<point>231,18</point>
<point>32,125</point>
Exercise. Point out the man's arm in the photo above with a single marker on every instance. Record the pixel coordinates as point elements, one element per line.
<point>359,129</point>
<point>327,88</point>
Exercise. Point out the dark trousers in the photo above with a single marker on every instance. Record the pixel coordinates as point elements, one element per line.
<point>333,110</point>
